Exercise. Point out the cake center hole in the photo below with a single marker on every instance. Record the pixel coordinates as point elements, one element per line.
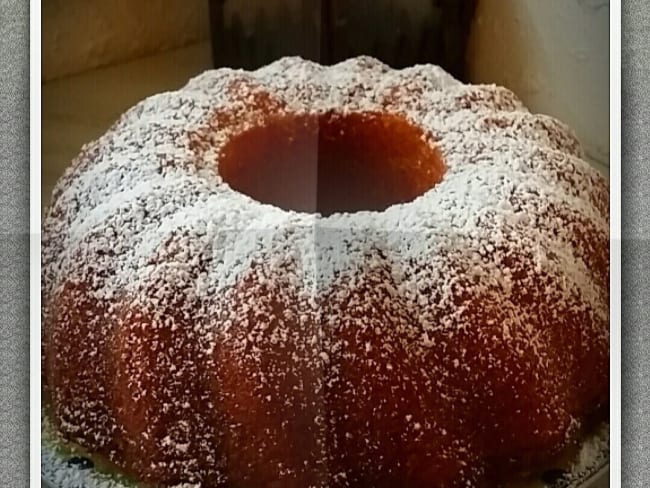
<point>332,162</point>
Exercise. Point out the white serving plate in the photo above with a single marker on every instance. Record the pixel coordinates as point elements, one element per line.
<point>600,479</point>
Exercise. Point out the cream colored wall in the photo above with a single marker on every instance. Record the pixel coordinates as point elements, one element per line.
<point>555,55</point>
<point>78,35</point>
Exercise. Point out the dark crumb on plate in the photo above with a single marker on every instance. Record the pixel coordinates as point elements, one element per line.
<point>81,462</point>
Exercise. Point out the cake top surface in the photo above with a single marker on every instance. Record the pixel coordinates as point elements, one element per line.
<point>144,183</point>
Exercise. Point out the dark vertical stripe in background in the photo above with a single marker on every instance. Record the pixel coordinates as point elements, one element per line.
<point>14,243</point>
<point>329,31</point>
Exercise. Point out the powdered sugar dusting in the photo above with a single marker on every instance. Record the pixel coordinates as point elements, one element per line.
<point>205,302</point>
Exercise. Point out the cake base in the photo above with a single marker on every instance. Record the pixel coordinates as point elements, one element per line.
<point>64,465</point>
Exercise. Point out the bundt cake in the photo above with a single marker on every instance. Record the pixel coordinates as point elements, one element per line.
<point>346,276</point>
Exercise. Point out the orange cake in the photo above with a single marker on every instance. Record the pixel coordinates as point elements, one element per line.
<point>346,276</point>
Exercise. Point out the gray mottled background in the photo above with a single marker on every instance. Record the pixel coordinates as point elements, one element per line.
<point>635,303</point>
<point>14,242</point>
<point>14,249</point>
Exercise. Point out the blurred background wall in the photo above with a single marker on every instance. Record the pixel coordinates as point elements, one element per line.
<point>554,54</point>
<point>78,35</point>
